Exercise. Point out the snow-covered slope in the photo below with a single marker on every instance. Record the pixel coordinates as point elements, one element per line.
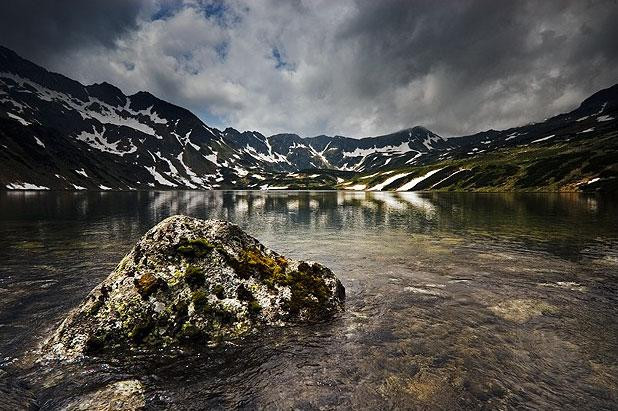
<point>56,133</point>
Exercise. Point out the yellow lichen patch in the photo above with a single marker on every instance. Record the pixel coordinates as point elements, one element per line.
<point>307,286</point>
<point>190,331</point>
<point>124,263</point>
<point>177,276</point>
<point>140,330</point>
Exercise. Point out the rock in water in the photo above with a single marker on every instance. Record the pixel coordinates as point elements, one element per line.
<point>199,282</point>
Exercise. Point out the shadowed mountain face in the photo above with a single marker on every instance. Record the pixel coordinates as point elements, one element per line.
<point>56,133</point>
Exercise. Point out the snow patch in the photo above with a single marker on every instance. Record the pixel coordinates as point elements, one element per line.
<point>212,157</point>
<point>16,117</point>
<point>542,139</point>
<point>594,180</point>
<point>25,186</point>
<point>418,154</point>
<point>158,177</point>
<point>39,142</point>
<point>357,187</point>
<point>240,172</point>
<point>388,181</point>
<point>415,181</point>
<point>449,176</point>
<point>98,141</point>
<point>363,152</point>
<point>267,187</point>
<point>511,136</point>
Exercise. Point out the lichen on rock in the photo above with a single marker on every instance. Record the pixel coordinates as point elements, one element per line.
<point>191,281</point>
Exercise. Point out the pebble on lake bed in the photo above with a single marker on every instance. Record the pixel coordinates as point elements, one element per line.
<point>198,282</point>
<point>522,310</point>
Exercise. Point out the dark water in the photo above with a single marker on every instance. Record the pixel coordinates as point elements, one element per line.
<point>453,300</point>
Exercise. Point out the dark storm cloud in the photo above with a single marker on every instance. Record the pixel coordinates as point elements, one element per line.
<point>472,46</point>
<point>45,30</point>
<point>355,67</point>
<point>476,39</point>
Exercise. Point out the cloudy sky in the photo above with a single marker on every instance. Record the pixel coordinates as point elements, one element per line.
<point>349,67</point>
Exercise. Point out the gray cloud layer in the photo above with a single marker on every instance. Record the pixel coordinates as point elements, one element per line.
<point>337,67</point>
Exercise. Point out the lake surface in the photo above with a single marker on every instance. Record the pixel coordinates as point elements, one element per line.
<point>453,300</point>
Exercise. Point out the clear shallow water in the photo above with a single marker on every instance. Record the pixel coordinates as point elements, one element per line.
<point>453,300</point>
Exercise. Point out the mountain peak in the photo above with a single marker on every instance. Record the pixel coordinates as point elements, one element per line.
<point>143,94</point>
<point>106,92</point>
<point>602,98</point>
<point>106,85</point>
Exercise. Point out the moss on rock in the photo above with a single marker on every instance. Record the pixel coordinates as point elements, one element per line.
<point>199,299</point>
<point>194,276</point>
<point>197,247</point>
<point>254,308</point>
<point>219,291</point>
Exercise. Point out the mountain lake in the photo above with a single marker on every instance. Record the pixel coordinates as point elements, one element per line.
<point>453,300</point>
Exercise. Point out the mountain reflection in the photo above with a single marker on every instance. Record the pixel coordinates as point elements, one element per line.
<point>561,223</point>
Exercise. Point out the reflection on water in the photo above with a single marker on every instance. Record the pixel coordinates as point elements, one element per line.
<point>454,300</point>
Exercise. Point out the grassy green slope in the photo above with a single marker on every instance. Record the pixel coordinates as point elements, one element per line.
<point>577,165</point>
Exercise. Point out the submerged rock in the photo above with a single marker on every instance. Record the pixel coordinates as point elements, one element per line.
<point>125,395</point>
<point>522,310</point>
<point>199,282</point>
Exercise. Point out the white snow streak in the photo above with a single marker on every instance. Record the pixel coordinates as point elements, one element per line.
<point>543,139</point>
<point>415,181</point>
<point>39,142</point>
<point>388,181</point>
<point>25,186</point>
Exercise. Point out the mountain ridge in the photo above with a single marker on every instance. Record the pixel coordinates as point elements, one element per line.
<point>56,133</point>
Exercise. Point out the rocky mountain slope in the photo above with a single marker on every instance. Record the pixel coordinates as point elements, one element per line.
<point>56,133</point>
<point>577,151</point>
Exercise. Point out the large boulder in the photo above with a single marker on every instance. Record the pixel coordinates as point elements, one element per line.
<point>197,282</point>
